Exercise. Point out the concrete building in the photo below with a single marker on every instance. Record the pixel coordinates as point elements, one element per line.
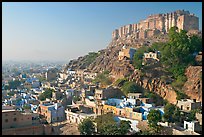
<point>188,105</point>
<point>108,93</point>
<point>134,95</point>
<point>128,53</point>
<point>53,112</point>
<point>15,119</point>
<point>51,74</point>
<point>76,115</point>
<point>152,55</point>
<point>192,126</point>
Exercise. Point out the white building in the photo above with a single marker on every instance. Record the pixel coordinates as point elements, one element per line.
<point>192,126</point>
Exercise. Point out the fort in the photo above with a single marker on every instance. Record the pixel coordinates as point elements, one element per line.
<point>159,24</point>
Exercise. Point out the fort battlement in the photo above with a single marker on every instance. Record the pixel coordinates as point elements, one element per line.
<point>159,23</point>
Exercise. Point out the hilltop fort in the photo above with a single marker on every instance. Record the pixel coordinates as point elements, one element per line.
<point>159,24</point>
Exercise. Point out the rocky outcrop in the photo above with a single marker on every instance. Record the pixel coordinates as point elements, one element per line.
<point>155,85</point>
<point>193,85</point>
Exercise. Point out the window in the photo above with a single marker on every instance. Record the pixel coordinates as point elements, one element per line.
<point>6,120</point>
<point>119,112</point>
<point>6,115</point>
<point>14,113</point>
<point>14,119</point>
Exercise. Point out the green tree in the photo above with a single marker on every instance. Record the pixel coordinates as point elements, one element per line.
<point>138,57</point>
<point>86,127</point>
<point>192,115</point>
<point>124,127</point>
<point>110,129</point>
<point>153,118</point>
<point>102,120</point>
<point>177,54</point>
<point>46,94</point>
<point>171,113</point>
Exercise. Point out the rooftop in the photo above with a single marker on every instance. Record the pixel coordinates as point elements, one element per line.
<point>10,110</point>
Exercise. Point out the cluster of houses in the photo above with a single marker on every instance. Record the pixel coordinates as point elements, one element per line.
<point>75,98</point>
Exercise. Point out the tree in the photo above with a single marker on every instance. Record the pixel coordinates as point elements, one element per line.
<point>153,118</point>
<point>124,127</point>
<point>170,113</point>
<point>86,127</point>
<point>192,115</point>
<point>107,126</point>
<point>102,120</point>
<point>138,56</point>
<point>110,129</point>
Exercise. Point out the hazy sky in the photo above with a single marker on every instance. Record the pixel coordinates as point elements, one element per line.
<point>64,31</point>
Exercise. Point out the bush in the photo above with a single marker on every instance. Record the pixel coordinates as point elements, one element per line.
<point>131,87</point>
<point>180,95</point>
<point>103,78</point>
<point>120,82</point>
<point>179,82</point>
<point>91,57</point>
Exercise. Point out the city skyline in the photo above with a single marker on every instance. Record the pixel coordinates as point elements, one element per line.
<point>64,31</point>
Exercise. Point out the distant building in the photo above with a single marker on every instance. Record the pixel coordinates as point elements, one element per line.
<point>152,55</point>
<point>128,53</point>
<point>32,83</point>
<point>134,95</point>
<point>188,105</point>
<point>51,74</point>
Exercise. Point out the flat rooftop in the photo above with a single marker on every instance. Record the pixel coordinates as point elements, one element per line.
<point>9,110</point>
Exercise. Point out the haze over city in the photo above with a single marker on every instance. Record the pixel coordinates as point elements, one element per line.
<point>64,31</point>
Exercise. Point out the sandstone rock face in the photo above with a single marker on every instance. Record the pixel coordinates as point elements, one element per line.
<point>155,85</point>
<point>193,85</point>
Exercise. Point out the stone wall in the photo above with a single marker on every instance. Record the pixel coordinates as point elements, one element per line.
<point>29,130</point>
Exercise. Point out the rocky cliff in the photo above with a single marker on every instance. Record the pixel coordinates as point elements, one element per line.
<point>193,85</point>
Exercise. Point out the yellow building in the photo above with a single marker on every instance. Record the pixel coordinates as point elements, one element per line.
<point>123,112</point>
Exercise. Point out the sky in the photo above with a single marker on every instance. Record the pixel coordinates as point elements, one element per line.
<point>61,31</point>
